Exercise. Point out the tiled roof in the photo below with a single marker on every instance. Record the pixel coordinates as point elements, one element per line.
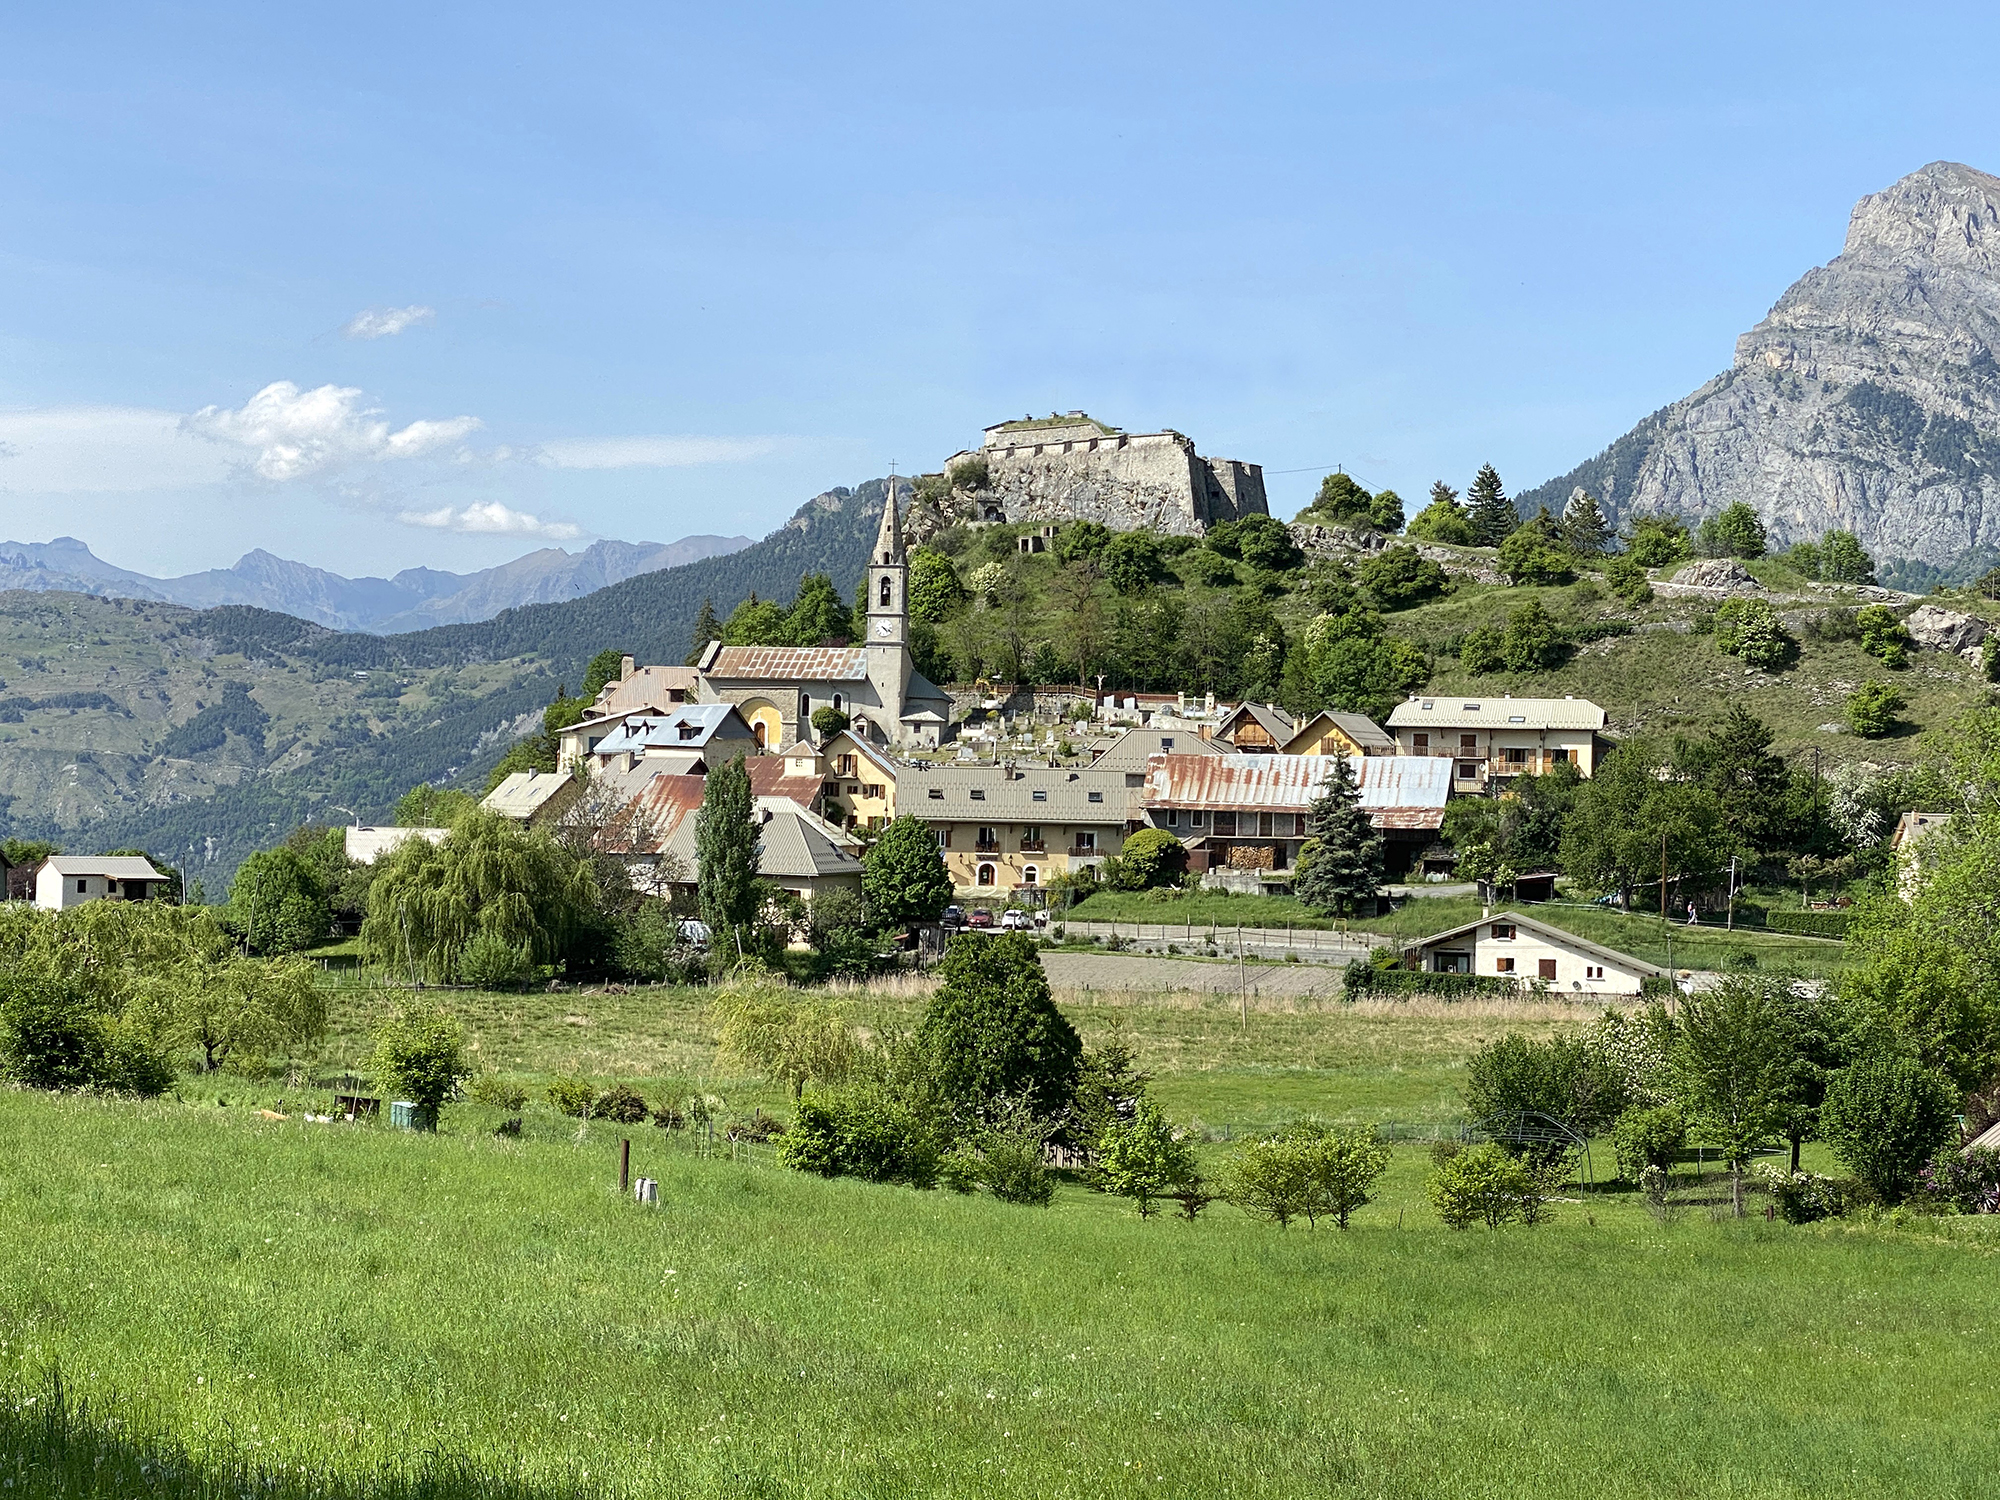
<point>649,687</point>
<point>1289,783</point>
<point>1479,711</point>
<point>791,663</point>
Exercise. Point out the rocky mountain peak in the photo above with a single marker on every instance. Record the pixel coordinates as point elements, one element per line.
<point>1945,214</point>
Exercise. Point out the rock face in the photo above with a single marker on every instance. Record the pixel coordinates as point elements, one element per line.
<point>1938,629</point>
<point>1718,573</point>
<point>1868,400</point>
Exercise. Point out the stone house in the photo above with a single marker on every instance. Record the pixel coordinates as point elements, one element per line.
<point>1488,739</point>
<point>1507,945</point>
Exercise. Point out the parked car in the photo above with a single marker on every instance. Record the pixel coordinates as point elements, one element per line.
<point>1013,919</point>
<point>695,934</point>
<point>954,916</point>
<point>980,918</point>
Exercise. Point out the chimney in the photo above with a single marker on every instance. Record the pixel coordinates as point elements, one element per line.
<point>625,668</point>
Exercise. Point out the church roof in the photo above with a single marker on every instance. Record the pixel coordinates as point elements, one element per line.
<point>791,663</point>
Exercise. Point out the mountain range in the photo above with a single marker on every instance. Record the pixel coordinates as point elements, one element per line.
<point>1867,400</point>
<point>415,599</point>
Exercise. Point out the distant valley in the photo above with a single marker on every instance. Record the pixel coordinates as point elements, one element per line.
<point>415,599</point>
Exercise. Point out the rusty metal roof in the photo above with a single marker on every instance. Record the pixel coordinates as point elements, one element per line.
<point>792,663</point>
<point>773,776</point>
<point>1289,783</point>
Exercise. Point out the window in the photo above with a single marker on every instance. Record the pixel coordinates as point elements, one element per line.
<point>1031,837</point>
<point>1086,840</point>
<point>853,790</point>
<point>988,875</point>
<point>1133,778</point>
<point>1504,931</point>
<point>1546,968</point>
<point>690,731</point>
<point>944,838</point>
<point>885,602</point>
<point>1503,966</point>
<point>1097,796</point>
<point>1468,770</point>
<point>805,707</point>
<point>837,704</point>
<point>1167,744</point>
<point>82,887</point>
<point>1430,703</point>
<point>1038,796</point>
<point>843,765</point>
<point>1198,818</point>
<point>870,789</point>
<point>1517,757</point>
<point>988,839</point>
<point>1517,718</point>
<point>1173,817</point>
<point>1225,824</point>
<point>1593,971</point>
<point>1472,708</point>
<point>936,793</point>
<point>979,794</point>
<point>1030,875</point>
<point>1468,742</point>
<point>1263,825</point>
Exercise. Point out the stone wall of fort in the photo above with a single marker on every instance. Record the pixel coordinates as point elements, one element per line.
<point>1122,480</point>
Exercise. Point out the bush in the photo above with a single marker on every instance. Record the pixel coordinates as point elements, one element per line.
<point>1479,652</point>
<point>572,1096</point>
<point>49,1039</point>
<point>1014,1162</point>
<point>490,962</point>
<point>420,1054</point>
<point>1363,978</point>
<point>498,1092</point>
<point>1735,532</point>
<point>827,721</point>
<point>1310,1171</point>
<point>1527,556</point>
<point>1627,579</point>
<point>1151,858</point>
<point>621,1105</point>
<point>1658,542</point>
<point>1401,577</point>
<point>1872,709</point>
<point>863,1130</point>
<point>1749,630</point>
<point>1966,1181</point>
<point>646,945</point>
<point>1832,924</point>
<point>1531,640</point>
<point>1569,1078</point>
<point>1645,1138</point>
<point>1885,1117</point>
<point>1883,635</point>
<point>1483,1184</point>
<point>1802,1197</point>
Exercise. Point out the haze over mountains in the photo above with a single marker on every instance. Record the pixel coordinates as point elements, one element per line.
<point>415,599</point>
<point>1868,399</point>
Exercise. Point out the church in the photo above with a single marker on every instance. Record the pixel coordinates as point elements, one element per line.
<point>876,684</point>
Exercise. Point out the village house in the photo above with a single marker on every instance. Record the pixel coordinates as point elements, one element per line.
<point>364,844</point>
<point>1507,945</point>
<point>530,798</point>
<point>860,783</point>
<point>798,851</point>
<point>1489,739</point>
<point>686,740</point>
<point>1331,733</point>
<point>63,881</point>
<point>1248,812</point>
<point>1911,831</point>
<point>1003,828</point>
<point>1255,728</point>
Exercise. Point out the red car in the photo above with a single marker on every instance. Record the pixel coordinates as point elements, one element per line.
<point>980,918</point>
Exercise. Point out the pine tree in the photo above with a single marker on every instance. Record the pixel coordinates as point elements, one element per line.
<point>707,627</point>
<point>1493,515</point>
<point>726,855</point>
<point>1584,529</point>
<point>1340,865</point>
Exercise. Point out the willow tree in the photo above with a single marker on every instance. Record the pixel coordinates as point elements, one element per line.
<point>487,876</point>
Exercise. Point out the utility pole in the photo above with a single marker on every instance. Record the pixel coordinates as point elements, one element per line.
<point>1242,984</point>
<point>1663,875</point>
<point>1732,893</point>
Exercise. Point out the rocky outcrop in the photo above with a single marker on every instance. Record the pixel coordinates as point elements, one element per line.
<point>1868,400</point>
<point>1719,573</point>
<point>1352,542</point>
<point>1937,629</point>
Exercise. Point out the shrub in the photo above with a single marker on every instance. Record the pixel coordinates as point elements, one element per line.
<point>1627,579</point>
<point>827,721</point>
<point>992,1031</point>
<point>1832,924</point>
<point>1735,532</point>
<point>420,1053</point>
<point>646,945</point>
<point>1152,857</point>
<point>1531,640</point>
<point>761,1127</point>
<point>49,1039</point>
<point>862,1130</point>
<point>620,1105</point>
<point>1014,1162</point>
<point>1363,978</point>
<point>572,1096</point>
<point>490,962</point>
<point>1143,1157</point>
<point>1527,556</point>
<point>1883,635</point>
<point>1872,709</point>
<point>1801,1197</point>
<point>668,1115</point>
<point>1749,630</point>
<point>498,1092</point>
<point>1483,1184</point>
<point>1885,1117</point>
<point>1310,1171</point>
<point>1567,1077</point>
<point>1658,542</point>
<point>1646,1138</point>
<point>1401,576</point>
<point>969,474</point>
<point>1479,652</point>
<point>1966,1181</point>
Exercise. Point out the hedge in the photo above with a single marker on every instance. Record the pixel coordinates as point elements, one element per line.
<point>1828,924</point>
<point>1364,978</point>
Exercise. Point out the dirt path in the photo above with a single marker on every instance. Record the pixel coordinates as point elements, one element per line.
<point>1134,971</point>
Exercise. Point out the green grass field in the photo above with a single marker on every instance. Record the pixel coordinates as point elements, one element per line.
<point>487,1316</point>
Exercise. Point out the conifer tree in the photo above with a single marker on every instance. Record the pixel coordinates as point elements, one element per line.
<point>726,854</point>
<point>1340,865</point>
<point>1584,529</point>
<point>707,627</point>
<point>1492,513</point>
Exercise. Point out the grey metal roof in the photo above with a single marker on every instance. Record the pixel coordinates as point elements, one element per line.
<point>524,793</point>
<point>1544,930</point>
<point>1364,731</point>
<point>1273,720</point>
<point>1497,711</point>
<point>1134,747</point>
<point>685,727</point>
<point>1026,794</point>
<point>110,866</point>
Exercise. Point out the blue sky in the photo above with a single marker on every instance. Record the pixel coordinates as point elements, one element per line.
<point>376,286</point>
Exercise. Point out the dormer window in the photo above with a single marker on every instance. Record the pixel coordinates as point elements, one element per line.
<point>979,794</point>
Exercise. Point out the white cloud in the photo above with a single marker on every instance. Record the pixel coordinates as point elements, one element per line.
<point>297,433</point>
<point>490,517</point>
<point>103,450</point>
<point>384,322</point>
<point>651,452</point>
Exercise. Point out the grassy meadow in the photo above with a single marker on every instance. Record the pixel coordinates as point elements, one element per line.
<point>238,1304</point>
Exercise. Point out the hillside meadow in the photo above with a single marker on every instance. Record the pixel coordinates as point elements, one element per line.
<point>236,1303</point>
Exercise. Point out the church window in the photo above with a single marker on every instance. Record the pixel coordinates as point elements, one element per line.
<point>836,703</point>
<point>885,593</point>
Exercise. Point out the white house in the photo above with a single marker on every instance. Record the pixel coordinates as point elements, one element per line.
<point>364,845</point>
<point>1487,738</point>
<point>66,880</point>
<point>1507,945</point>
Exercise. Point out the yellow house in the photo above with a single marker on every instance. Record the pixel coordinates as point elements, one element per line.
<point>860,782</point>
<point>1489,739</point>
<point>1330,733</point>
<point>1006,828</point>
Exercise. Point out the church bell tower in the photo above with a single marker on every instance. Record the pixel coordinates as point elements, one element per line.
<point>889,667</point>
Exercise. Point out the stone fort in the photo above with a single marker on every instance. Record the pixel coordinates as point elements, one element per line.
<point>1071,467</point>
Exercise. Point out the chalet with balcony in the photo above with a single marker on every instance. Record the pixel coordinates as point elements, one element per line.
<point>1256,728</point>
<point>1248,812</point>
<point>1005,828</point>
<point>1331,733</point>
<point>1489,739</point>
